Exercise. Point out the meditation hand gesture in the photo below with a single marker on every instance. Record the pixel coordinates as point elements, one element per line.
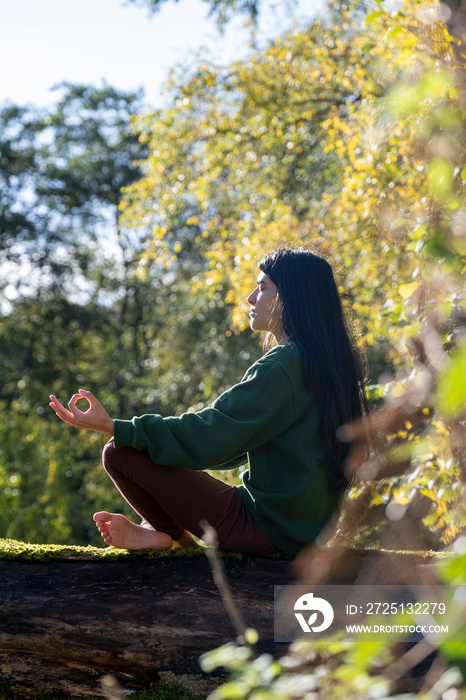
<point>94,418</point>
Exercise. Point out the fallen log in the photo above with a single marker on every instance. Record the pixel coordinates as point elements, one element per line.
<point>66,622</point>
<point>70,615</point>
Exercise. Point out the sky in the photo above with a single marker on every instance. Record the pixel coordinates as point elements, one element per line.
<point>45,42</point>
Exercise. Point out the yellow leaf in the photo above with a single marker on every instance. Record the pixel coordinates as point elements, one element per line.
<point>407,290</point>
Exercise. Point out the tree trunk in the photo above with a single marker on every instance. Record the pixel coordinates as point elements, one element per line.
<point>65,623</point>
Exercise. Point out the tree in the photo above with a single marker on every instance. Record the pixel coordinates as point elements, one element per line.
<point>222,10</point>
<point>83,314</point>
<point>61,174</point>
<point>244,159</point>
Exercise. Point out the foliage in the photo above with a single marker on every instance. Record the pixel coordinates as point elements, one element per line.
<point>137,356</point>
<point>328,669</point>
<point>60,173</point>
<point>427,218</point>
<point>244,158</point>
<point>77,312</point>
<point>222,10</point>
<point>335,137</point>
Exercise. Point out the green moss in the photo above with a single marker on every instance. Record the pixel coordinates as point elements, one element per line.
<point>12,549</point>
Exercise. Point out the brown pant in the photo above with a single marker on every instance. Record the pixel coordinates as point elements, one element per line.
<point>172,500</point>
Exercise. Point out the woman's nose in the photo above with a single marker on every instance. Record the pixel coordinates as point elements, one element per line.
<point>251,298</point>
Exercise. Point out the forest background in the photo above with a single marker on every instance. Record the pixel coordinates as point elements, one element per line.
<point>346,134</point>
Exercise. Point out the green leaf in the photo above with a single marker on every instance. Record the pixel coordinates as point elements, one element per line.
<point>454,571</point>
<point>416,234</point>
<point>373,16</point>
<point>393,32</point>
<point>229,691</point>
<point>455,651</point>
<point>440,173</point>
<point>431,519</point>
<point>375,391</point>
<point>451,391</point>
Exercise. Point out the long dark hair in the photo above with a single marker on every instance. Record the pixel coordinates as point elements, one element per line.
<point>313,317</point>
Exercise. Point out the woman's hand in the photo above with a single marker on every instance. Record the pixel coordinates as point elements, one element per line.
<point>94,418</point>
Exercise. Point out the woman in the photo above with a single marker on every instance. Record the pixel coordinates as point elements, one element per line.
<point>282,419</point>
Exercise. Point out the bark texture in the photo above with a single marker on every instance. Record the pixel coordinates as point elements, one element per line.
<point>64,624</point>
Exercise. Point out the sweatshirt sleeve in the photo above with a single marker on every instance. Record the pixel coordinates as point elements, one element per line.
<point>246,416</point>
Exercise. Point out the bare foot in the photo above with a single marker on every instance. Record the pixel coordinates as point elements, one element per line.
<point>121,533</point>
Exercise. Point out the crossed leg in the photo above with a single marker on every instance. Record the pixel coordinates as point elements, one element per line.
<point>172,502</point>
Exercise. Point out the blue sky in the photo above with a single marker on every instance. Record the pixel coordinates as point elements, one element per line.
<point>47,41</point>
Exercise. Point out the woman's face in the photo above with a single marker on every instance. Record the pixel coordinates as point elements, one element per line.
<point>265,313</point>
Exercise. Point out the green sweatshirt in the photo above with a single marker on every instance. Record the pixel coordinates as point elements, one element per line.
<point>268,420</point>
